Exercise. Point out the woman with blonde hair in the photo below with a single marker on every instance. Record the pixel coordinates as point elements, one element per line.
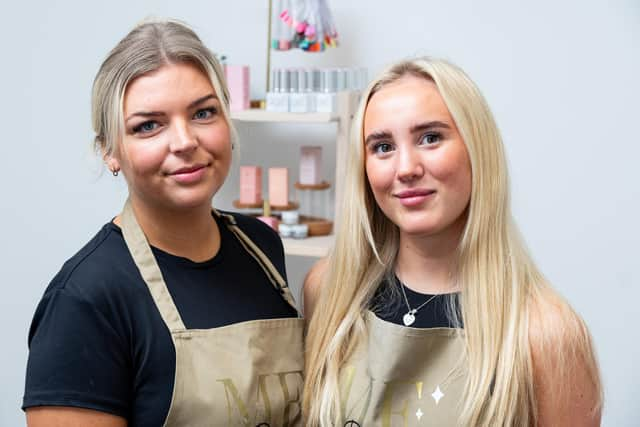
<point>174,314</point>
<point>429,310</point>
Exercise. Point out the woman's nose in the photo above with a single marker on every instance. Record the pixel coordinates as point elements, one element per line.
<point>410,165</point>
<point>183,138</point>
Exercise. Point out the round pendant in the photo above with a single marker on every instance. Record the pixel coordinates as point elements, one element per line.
<point>408,319</point>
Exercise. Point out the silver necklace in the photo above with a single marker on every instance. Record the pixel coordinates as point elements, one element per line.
<point>410,317</point>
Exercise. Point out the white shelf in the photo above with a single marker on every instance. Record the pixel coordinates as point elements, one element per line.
<point>257,115</point>
<point>345,109</point>
<point>317,246</point>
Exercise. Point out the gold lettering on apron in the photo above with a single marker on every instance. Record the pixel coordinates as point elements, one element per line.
<point>230,388</point>
<point>387,403</point>
<point>235,404</point>
<point>362,400</point>
<point>290,402</point>
<point>262,386</point>
<point>348,374</point>
<point>397,395</point>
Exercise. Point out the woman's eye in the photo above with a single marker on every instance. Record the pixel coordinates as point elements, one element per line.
<point>430,138</point>
<point>146,127</point>
<point>205,113</point>
<point>382,148</point>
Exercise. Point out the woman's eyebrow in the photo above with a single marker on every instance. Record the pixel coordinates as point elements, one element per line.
<point>202,99</point>
<point>420,127</point>
<point>429,125</point>
<point>147,114</point>
<point>377,135</point>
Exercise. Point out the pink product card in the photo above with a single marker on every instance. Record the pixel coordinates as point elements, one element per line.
<point>270,221</point>
<point>278,186</point>
<point>310,165</point>
<point>250,184</point>
<point>238,82</point>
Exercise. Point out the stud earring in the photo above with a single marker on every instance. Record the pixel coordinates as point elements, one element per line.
<point>115,172</point>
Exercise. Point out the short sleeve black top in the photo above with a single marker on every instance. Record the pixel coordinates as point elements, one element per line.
<point>98,341</point>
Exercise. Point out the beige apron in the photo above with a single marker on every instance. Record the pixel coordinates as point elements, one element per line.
<point>244,374</point>
<point>403,377</point>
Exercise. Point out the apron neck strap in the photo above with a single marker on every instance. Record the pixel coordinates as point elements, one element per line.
<point>263,261</point>
<point>149,270</point>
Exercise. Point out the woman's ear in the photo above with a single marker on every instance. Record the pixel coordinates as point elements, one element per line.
<point>112,162</point>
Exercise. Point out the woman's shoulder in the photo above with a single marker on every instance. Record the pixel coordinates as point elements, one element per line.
<point>84,293</point>
<point>102,265</point>
<point>553,323</point>
<point>551,317</point>
<point>565,371</point>
<point>96,324</point>
<point>98,292</point>
<point>313,284</point>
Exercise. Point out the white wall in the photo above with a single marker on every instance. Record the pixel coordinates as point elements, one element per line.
<point>561,77</point>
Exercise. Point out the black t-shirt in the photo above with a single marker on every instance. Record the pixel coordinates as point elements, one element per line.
<point>388,304</point>
<point>98,341</point>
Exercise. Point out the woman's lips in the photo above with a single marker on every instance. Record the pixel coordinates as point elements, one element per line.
<point>189,175</point>
<point>411,198</point>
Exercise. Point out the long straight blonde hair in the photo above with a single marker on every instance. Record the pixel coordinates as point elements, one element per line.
<point>500,285</point>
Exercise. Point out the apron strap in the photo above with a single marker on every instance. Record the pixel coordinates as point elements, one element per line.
<point>151,274</point>
<point>148,266</point>
<point>263,261</point>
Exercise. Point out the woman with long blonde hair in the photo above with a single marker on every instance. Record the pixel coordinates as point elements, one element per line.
<point>429,310</point>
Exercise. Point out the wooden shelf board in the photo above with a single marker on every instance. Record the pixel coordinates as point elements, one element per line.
<point>292,206</point>
<point>324,185</point>
<point>311,246</point>
<point>257,115</point>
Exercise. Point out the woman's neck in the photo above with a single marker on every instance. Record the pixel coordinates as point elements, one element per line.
<point>426,263</point>
<point>191,233</point>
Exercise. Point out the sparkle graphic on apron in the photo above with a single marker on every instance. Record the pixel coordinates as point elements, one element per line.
<point>437,395</point>
<point>419,414</point>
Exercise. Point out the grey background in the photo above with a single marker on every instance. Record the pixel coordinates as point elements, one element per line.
<point>560,76</point>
